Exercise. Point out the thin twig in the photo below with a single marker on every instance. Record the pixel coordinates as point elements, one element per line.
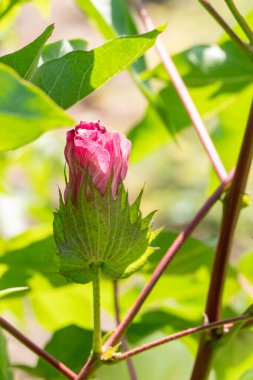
<point>193,330</point>
<point>210,9</point>
<point>90,366</point>
<point>240,19</point>
<point>37,350</point>
<point>185,97</point>
<point>232,208</point>
<point>124,344</point>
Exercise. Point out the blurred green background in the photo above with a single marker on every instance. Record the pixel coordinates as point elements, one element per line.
<point>178,179</point>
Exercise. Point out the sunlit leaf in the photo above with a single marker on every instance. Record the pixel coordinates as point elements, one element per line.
<point>144,140</point>
<point>112,19</point>
<point>214,76</point>
<point>5,371</point>
<point>25,60</point>
<point>25,111</point>
<point>245,265</point>
<point>232,361</point>
<point>74,76</point>
<point>58,49</point>
<point>74,357</point>
<point>193,255</point>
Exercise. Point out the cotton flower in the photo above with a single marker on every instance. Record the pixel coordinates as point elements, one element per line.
<point>104,155</point>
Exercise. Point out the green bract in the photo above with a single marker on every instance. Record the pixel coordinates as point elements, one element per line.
<point>101,230</point>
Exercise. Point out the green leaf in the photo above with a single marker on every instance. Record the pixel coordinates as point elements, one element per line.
<point>144,140</point>
<point>100,230</point>
<point>236,329</point>
<point>25,60</point>
<point>233,360</point>
<point>58,49</point>
<point>99,14</point>
<point>245,265</point>
<point>248,375</point>
<point>156,320</point>
<point>30,263</point>
<point>74,76</point>
<point>112,18</point>
<point>5,371</point>
<point>238,30</point>
<point>229,132</point>
<point>74,357</point>
<point>214,76</point>
<point>193,255</point>
<point>206,64</point>
<point>56,308</point>
<point>25,111</point>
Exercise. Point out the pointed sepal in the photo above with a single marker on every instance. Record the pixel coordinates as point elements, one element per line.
<point>101,230</point>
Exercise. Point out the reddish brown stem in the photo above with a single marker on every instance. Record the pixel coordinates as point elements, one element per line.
<point>124,344</point>
<point>193,330</point>
<point>185,97</point>
<point>176,245</point>
<point>37,350</point>
<point>232,207</point>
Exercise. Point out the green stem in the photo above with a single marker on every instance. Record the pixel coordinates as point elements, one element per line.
<point>240,19</point>
<point>97,339</point>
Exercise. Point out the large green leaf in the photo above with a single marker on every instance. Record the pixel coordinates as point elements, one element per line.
<point>5,371</point>
<point>56,308</point>
<point>74,76</point>
<point>112,18</point>
<point>156,320</point>
<point>193,255</point>
<point>59,48</point>
<point>100,15</point>
<point>36,257</point>
<point>206,64</point>
<point>25,111</point>
<point>245,266</point>
<point>161,363</point>
<point>214,76</point>
<point>234,360</point>
<point>25,60</point>
<point>145,140</point>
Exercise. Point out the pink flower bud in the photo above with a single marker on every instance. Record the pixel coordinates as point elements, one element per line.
<point>103,155</point>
